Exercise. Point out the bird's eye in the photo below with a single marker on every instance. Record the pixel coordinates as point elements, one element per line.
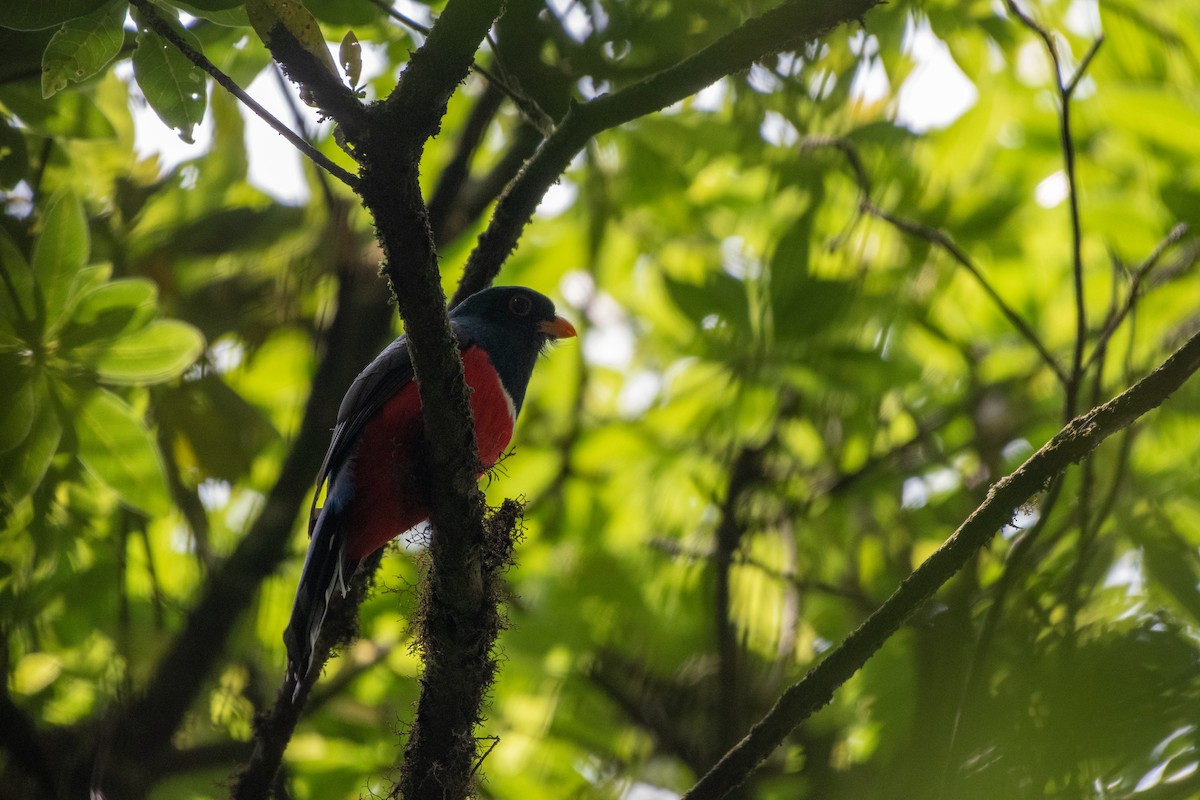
<point>520,305</point>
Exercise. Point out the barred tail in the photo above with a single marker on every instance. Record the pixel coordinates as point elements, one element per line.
<point>326,567</point>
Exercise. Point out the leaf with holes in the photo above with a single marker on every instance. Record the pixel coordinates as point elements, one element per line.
<point>173,85</point>
<point>82,47</point>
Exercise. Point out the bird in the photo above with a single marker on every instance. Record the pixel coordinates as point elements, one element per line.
<point>374,468</point>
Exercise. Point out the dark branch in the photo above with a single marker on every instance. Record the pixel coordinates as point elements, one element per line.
<point>452,181</point>
<point>1076,440</point>
<point>1135,284</point>
<point>1067,143</point>
<point>778,28</point>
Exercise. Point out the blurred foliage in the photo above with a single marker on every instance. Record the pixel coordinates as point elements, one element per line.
<point>159,327</point>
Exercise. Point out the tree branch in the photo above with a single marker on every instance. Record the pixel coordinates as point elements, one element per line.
<point>1065,90</point>
<point>460,617</point>
<point>1135,284</point>
<point>780,27</point>
<point>1077,439</point>
<point>150,14</point>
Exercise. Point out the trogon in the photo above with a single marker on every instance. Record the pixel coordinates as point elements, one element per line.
<point>374,469</point>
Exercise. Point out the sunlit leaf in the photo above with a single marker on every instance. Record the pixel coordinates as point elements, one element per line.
<point>83,46</point>
<point>223,451</point>
<point>60,252</point>
<point>111,309</point>
<point>24,467</point>
<point>70,114</point>
<point>116,446</point>
<point>161,350</point>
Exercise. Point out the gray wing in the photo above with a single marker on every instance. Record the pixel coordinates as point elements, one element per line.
<point>387,374</point>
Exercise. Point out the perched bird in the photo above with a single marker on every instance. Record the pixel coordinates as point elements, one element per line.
<point>374,468</point>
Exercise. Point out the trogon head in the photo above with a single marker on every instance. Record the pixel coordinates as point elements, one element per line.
<point>513,325</point>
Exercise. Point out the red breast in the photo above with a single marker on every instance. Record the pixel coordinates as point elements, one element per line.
<point>388,462</point>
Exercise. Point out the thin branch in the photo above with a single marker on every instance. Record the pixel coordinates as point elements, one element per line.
<point>285,88</point>
<point>160,27</point>
<point>743,474</point>
<point>1077,439</point>
<point>760,36</point>
<point>1065,90</point>
<point>791,577</point>
<point>1135,284</point>
<point>443,203</point>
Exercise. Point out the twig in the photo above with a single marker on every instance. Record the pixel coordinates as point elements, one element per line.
<point>1076,439</point>
<point>789,22</point>
<point>745,471</point>
<point>150,14</point>
<point>1139,275</point>
<point>285,88</point>
<point>671,547</point>
<point>1065,90</point>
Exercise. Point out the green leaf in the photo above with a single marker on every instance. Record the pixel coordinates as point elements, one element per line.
<point>60,252</point>
<point>350,54</point>
<point>32,15</point>
<point>211,5</point>
<point>17,405</point>
<point>269,17</point>
<point>24,468</point>
<point>117,447</point>
<point>17,300</point>
<point>83,282</point>
<point>173,85</point>
<point>73,115</point>
<point>227,13</point>
<point>111,310</point>
<point>161,350</point>
<point>343,12</point>
<point>225,451</point>
<point>722,295</point>
<point>14,158</point>
<point>83,46</point>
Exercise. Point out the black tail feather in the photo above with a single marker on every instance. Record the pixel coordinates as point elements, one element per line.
<point>326,568</point>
